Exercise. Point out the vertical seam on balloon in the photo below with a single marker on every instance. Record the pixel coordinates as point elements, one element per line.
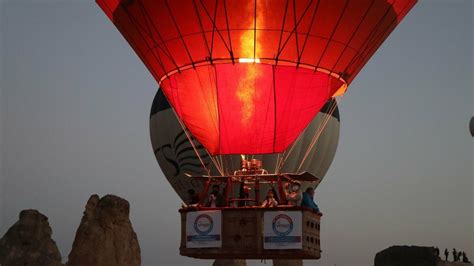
<point>352,36</point>
<point>134,23</point>
<point>210,108</point>
<point>214,27</point>
<point>266,117</point>
<point>375,42</point>
<point>150,33</point>
<point>214,24</point>
<point>202,30</point>
<point>274,108</point>
<point>290,87</point>
<point>290,101</point>
<point>215,95</point>
<point>228,32</point>
<point>362,47</point>
<point>179,33</point>
<point>332,34</point>
<point>255,30</point>
<point>307,33</point>
<point>296,26</point>
<point>281,33</point>
<point>219,111</point>
<point>280,50</point>
<point>147,18</point>
<point>153,51</point>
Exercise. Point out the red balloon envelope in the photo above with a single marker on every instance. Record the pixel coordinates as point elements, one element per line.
<point>247,76</point>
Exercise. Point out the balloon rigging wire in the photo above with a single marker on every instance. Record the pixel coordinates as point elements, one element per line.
<point>285,153</point>
<point>222,164</point>
<point>320,132</point>
<point>315,139</point>
<point>214,159</point>
<point>195,149</point>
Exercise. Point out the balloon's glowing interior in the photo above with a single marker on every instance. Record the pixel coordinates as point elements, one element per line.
<point>247,76</point>
<point>248,108</point>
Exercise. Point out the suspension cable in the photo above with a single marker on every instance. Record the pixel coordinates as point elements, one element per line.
<point>287,154</point>
<point>277,164</point>
<point>314,139</point>
<point>188,135</point>
<point>318,134</point>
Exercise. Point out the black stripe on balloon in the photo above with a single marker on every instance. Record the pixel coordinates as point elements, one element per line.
<point>186,159</point>
<point>327,109</point>
<point>193,169</point>
<point>182,142</point>
<point>186,142</point>
<point>190,164</point>
<point>180,147</point>
<point>181,164</point>
<point>193,157</point>
<point>168,159</point>
<point>162,148</point>
<point>180,134</point>
<point>180,152</point>
<point>160,103</point>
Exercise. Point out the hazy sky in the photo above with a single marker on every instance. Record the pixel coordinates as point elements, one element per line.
<point>75,101</point>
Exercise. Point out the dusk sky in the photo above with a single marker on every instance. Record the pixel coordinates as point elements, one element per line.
<point>74,109</point>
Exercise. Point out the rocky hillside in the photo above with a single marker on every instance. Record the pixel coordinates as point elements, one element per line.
<point>412,256</point>
<point>105,237</point>
<point>28,242</point>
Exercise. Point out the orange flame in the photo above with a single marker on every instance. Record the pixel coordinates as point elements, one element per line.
<point>246,92</point>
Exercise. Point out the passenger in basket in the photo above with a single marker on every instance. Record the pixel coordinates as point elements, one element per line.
<point>270,200</point>
<point>216,199</point>
<point>308,200</point>
<point>293,194</point>
<point>193,197</point>
<point>244,195</point>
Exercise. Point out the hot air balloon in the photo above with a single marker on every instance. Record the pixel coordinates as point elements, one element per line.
<point>178,160</point>
<point>245,78</point>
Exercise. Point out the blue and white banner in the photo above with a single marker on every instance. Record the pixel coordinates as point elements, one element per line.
<point>203,229</point>
<point>282,230</point>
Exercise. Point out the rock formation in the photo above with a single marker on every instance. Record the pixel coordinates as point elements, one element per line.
<point>28,242</point>
<point>105,236</point>
<point>407,256</point>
